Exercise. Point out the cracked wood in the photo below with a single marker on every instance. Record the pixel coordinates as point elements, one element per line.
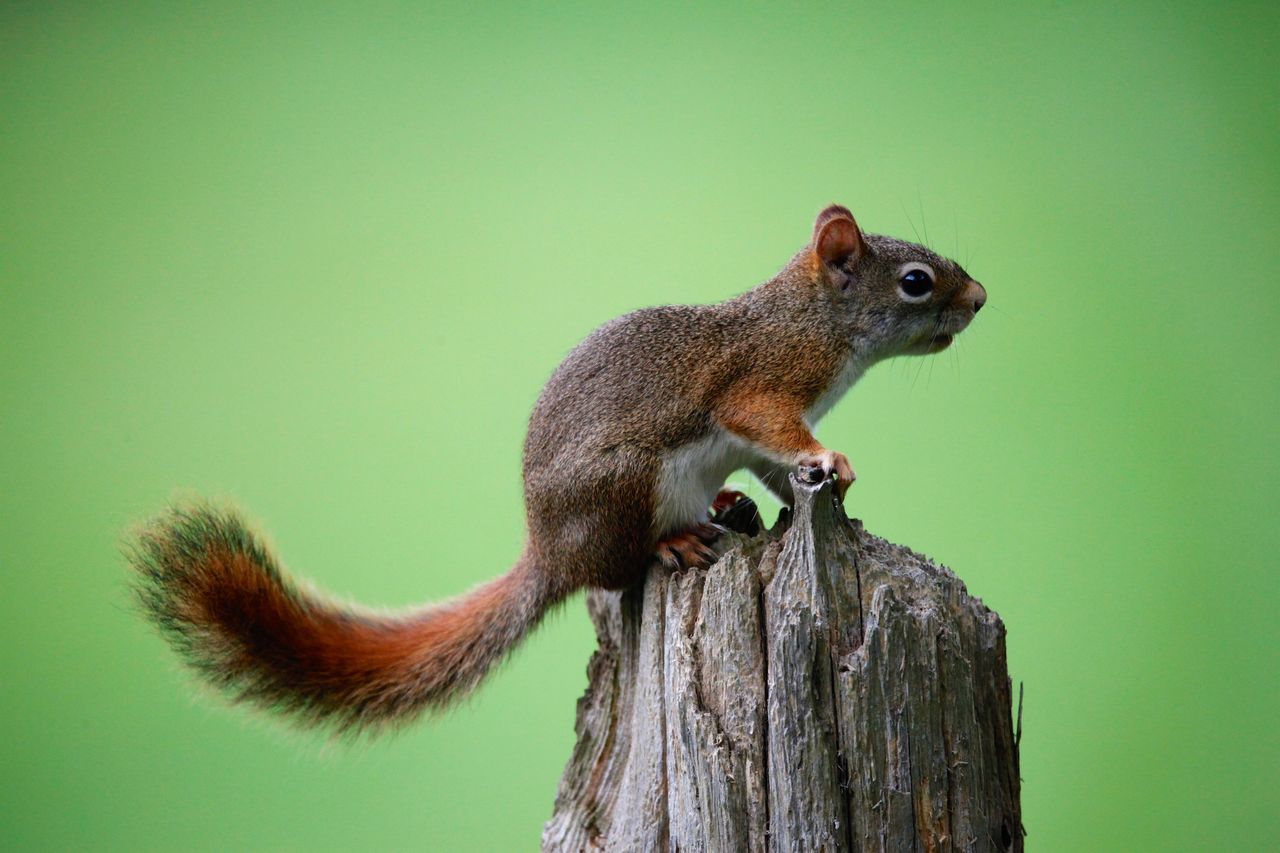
<point>818,688</point>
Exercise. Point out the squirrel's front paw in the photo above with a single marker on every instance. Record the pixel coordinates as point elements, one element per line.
<point>831,462</point>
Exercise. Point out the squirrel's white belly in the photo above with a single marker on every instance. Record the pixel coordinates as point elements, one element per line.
<point>690,477</point>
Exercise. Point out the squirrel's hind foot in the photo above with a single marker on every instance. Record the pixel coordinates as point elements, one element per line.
<point>689,548</point>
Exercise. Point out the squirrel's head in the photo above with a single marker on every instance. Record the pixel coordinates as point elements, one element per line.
<point>897,298</point>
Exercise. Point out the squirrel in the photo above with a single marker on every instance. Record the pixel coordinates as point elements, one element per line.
<point>627,451</point>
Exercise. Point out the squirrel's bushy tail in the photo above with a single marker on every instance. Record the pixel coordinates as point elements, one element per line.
<point>245,627</point>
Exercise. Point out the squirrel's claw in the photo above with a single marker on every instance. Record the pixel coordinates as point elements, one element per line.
<point>690,548</point>
<point>830,463</point>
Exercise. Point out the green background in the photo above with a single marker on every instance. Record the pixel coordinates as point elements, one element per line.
<point>318,260</point>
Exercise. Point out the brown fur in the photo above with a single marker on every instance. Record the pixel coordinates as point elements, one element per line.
<point>635,395</point>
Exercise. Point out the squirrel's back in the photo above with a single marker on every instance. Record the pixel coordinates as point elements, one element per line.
<point>619,382</point>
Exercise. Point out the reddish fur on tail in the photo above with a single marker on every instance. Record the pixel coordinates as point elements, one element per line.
<point>245,627</point>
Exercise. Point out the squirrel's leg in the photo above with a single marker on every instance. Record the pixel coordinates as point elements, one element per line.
<point>593,525</point>
<point>775,425</point>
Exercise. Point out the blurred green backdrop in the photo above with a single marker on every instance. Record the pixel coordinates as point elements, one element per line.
<point>318,259</point>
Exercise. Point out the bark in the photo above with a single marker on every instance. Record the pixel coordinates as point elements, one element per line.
<point>818,688</point>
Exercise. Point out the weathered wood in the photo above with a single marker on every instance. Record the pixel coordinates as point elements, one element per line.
<point>817,688</point>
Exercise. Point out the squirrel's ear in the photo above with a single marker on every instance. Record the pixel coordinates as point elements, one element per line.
<point>836,237</point>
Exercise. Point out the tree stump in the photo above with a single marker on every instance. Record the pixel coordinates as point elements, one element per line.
<point>818,688</point>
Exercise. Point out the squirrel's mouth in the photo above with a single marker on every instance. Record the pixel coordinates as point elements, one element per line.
<point>941,335</point>
<point>939,343</point>
<point>950,324</point>
<point>929,344</point>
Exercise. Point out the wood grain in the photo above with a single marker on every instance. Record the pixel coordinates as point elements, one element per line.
<point>818,688</point>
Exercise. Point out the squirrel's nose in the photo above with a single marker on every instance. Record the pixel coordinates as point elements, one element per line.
<point>973,297</point>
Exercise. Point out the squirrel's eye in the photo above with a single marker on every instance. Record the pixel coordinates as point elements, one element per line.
<point>915,283</point>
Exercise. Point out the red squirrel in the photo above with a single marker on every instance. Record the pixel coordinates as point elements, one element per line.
<point>628,448</point>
